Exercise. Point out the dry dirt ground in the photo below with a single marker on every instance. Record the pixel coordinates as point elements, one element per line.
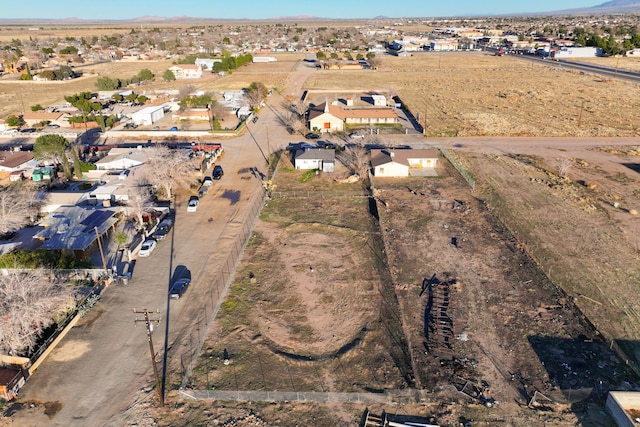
<point>492,312</point>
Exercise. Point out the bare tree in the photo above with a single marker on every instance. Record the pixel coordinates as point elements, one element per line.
<point>170,169</point>
<point>29,303</point>
<point>300,108</point>
<point>139,194</point>
<point>374,63</point>
<point>218,111</point>
<point>19,205</point>
<point>356,158</point>
<point>186,91</point>
<point>256,93</point>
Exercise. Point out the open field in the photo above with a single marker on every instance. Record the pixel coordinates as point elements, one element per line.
<point>476,93</point>
<point>631,62</point>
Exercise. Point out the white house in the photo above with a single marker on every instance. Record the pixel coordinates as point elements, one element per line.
<point>402,162</point>
<point>122,159</point>
<point>332,118</point>
<point>13,161</point>
<point>326,118</point>
<point>323,159</point>
<point>148,115</point>
<point>186,71</point>
<point>207,63</point>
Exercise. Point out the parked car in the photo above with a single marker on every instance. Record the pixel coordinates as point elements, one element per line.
<point>173,129</point>
<point>178,288</point>
<point>28,130</point>
<point>53,126</point>
<point>356,136</point>
<point>163,229</point>
<point>155,128</point>
<point>255,119</point>
<point>147,247</point>
<point>193,204</point>
<point>312,135</point>
<point>217,172</point>
<point>207,181</point>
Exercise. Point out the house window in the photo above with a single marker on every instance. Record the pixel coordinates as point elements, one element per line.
<point>381,171</point>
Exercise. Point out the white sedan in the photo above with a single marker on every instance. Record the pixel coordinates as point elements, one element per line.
<point>192,206</point>
<point>147,247</point>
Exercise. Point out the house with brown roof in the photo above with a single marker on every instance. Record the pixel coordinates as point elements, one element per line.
<point>15,163</point>
<point>391,162</point>
<point>329,117</point>
<point>32,118</point>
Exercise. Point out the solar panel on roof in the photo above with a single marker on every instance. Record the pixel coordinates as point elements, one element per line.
<point>96,219</point>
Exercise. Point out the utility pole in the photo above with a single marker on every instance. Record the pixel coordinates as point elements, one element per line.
<point>580,114</point>
<point>104,262</point>
<point>268,147</point>
<point>424,130</point>
<point>149,324</point>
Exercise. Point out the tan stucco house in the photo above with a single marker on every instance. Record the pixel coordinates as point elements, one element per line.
<point>402,162</point>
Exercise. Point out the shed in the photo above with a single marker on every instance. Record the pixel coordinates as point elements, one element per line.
<point>379,100</point>
<point>149,115</point>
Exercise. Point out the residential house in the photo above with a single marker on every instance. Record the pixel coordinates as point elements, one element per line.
<point>323,159</point>
<point>207,63</point>
<point>331,118</point>
<point>441,45</point>
<point>122,159</point>
<point>32,118</point>
<point>192,114</point>
<point>186,71</point>
<point>403,162</point>
<point>15,163</point>
<point>76,228</point>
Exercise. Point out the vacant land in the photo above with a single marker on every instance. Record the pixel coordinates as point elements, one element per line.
<point>302,316</point>
<point>476,93</point>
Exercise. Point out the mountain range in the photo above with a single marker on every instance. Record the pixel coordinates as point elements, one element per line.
<point>609,7</point>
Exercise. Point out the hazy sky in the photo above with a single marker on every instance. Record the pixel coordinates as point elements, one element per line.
<point>261,9</point>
